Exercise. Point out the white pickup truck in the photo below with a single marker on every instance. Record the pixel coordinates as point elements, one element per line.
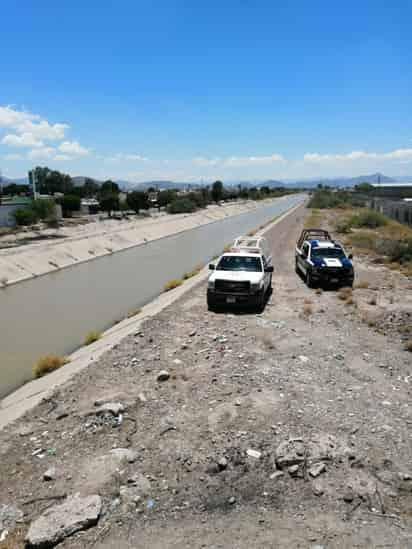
<point>241,276</point>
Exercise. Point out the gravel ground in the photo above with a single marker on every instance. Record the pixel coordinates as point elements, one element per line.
<point>290,428</point>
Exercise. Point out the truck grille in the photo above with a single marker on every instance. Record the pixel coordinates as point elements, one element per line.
<point>233,287</point>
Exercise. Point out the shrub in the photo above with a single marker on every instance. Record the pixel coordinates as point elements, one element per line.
<point>369,219</point>
<point>181,205</point>
<point>344,293</point>
<point>318,291</point>
<point>363,240</point>
<point>44,208</point>
<point>70,203</point>
<point>91,337</point>
<point>47,364</point>
<point>307,309</point>
<point>193,272</point>
<point>24,217</point>
<point>373,300</point>
<point>408,345</point>
<point>174,283</point>
<point>134,312</point>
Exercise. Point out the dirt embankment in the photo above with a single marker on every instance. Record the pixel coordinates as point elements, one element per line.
<point>290,428</point>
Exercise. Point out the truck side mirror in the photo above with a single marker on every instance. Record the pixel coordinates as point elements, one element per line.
<point>212,267</point>
<point>350,256</point>
<point>269,269</point>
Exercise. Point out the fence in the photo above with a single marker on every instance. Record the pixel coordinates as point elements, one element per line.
<point>400,210</point>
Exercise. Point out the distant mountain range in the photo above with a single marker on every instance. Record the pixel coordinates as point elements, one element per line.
<point>291,183</point>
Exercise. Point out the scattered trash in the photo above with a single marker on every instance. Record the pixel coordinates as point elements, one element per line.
<point>253,453</point>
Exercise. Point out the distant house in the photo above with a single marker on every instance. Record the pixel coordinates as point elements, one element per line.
<point>89,206</point>
<point>9,206</point>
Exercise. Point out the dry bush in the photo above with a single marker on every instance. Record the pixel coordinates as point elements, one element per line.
<point>408,345</point>
<point>47,364</point>
<point>91,337</point>
<point>251,233</point>
<point>351,301</point>
<point>319,291</point>
<point>307,301</point>
<point>307,310</point>
<point>193,272</point>
<point>174,283</point>
<point>362,284</point>
<point>344,293</point>
<point>15,540</point>
<point>373,300</point>
<point>134,312</point>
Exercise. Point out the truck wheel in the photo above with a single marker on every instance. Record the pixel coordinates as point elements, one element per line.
<point>309,280</point>
<point>261,300</point>
<point>211,306</point>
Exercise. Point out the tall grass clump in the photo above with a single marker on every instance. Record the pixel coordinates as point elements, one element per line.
<point>47,364</point>
<point>91,337</point>
<point>171,284</point>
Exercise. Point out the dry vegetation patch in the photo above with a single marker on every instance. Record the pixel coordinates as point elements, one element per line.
<point>47,364</point>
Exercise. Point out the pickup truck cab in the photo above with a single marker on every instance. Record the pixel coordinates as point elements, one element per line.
<point>321,260</point>
<point>240,277</point>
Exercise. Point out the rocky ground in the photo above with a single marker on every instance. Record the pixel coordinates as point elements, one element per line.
<point>286,429</point>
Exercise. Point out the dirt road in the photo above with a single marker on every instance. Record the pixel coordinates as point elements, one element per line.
<point>286,429</point>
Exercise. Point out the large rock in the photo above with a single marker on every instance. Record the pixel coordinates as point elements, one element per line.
<point>9,516</point>
<point>63,520</point>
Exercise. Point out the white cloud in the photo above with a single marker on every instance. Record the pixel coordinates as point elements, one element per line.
<point>25,122</point>
<point>62,157</point>
<point>44,153</point>
<point>397,154</point>
<point>121,157</point>
<point>253,160</point>
<point>73,148</point>
<point>26,139</point>
<point>201,161</point>
<point>239,161</point>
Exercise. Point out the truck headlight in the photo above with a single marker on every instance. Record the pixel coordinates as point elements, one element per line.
<point>211,284</point>
<point>256,286</point>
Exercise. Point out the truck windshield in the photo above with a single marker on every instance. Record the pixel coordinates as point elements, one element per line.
<point>328,252</point>
<point>240,263</point>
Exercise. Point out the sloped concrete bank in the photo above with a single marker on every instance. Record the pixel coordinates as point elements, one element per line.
<point>36,259</point>
<point>32,393</point>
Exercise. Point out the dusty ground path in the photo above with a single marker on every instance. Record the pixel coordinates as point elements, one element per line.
<point>277,430</point>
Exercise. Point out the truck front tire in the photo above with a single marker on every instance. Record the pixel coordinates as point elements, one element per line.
<point>309,279</point>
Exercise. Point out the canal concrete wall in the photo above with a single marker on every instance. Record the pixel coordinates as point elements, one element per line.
<point>28,261</point>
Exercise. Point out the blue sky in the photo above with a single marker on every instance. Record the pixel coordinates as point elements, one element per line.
<point>224,89</point>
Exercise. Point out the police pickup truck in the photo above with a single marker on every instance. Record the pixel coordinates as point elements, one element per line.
<point>321,260</point>
<point>241,276</point>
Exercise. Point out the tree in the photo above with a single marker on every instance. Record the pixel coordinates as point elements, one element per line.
<point>70,203</point>
<point>44,208</point>
<point>90,187</point>
<point>364,187</point>
<point>217,191</point>
<point>109,187</point>
<point>165,197</point>
<point>137,200</point>
<point>52,181</point>
<point>109,202</point>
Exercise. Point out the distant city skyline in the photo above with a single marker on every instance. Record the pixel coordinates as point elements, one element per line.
<point>229,90</point>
